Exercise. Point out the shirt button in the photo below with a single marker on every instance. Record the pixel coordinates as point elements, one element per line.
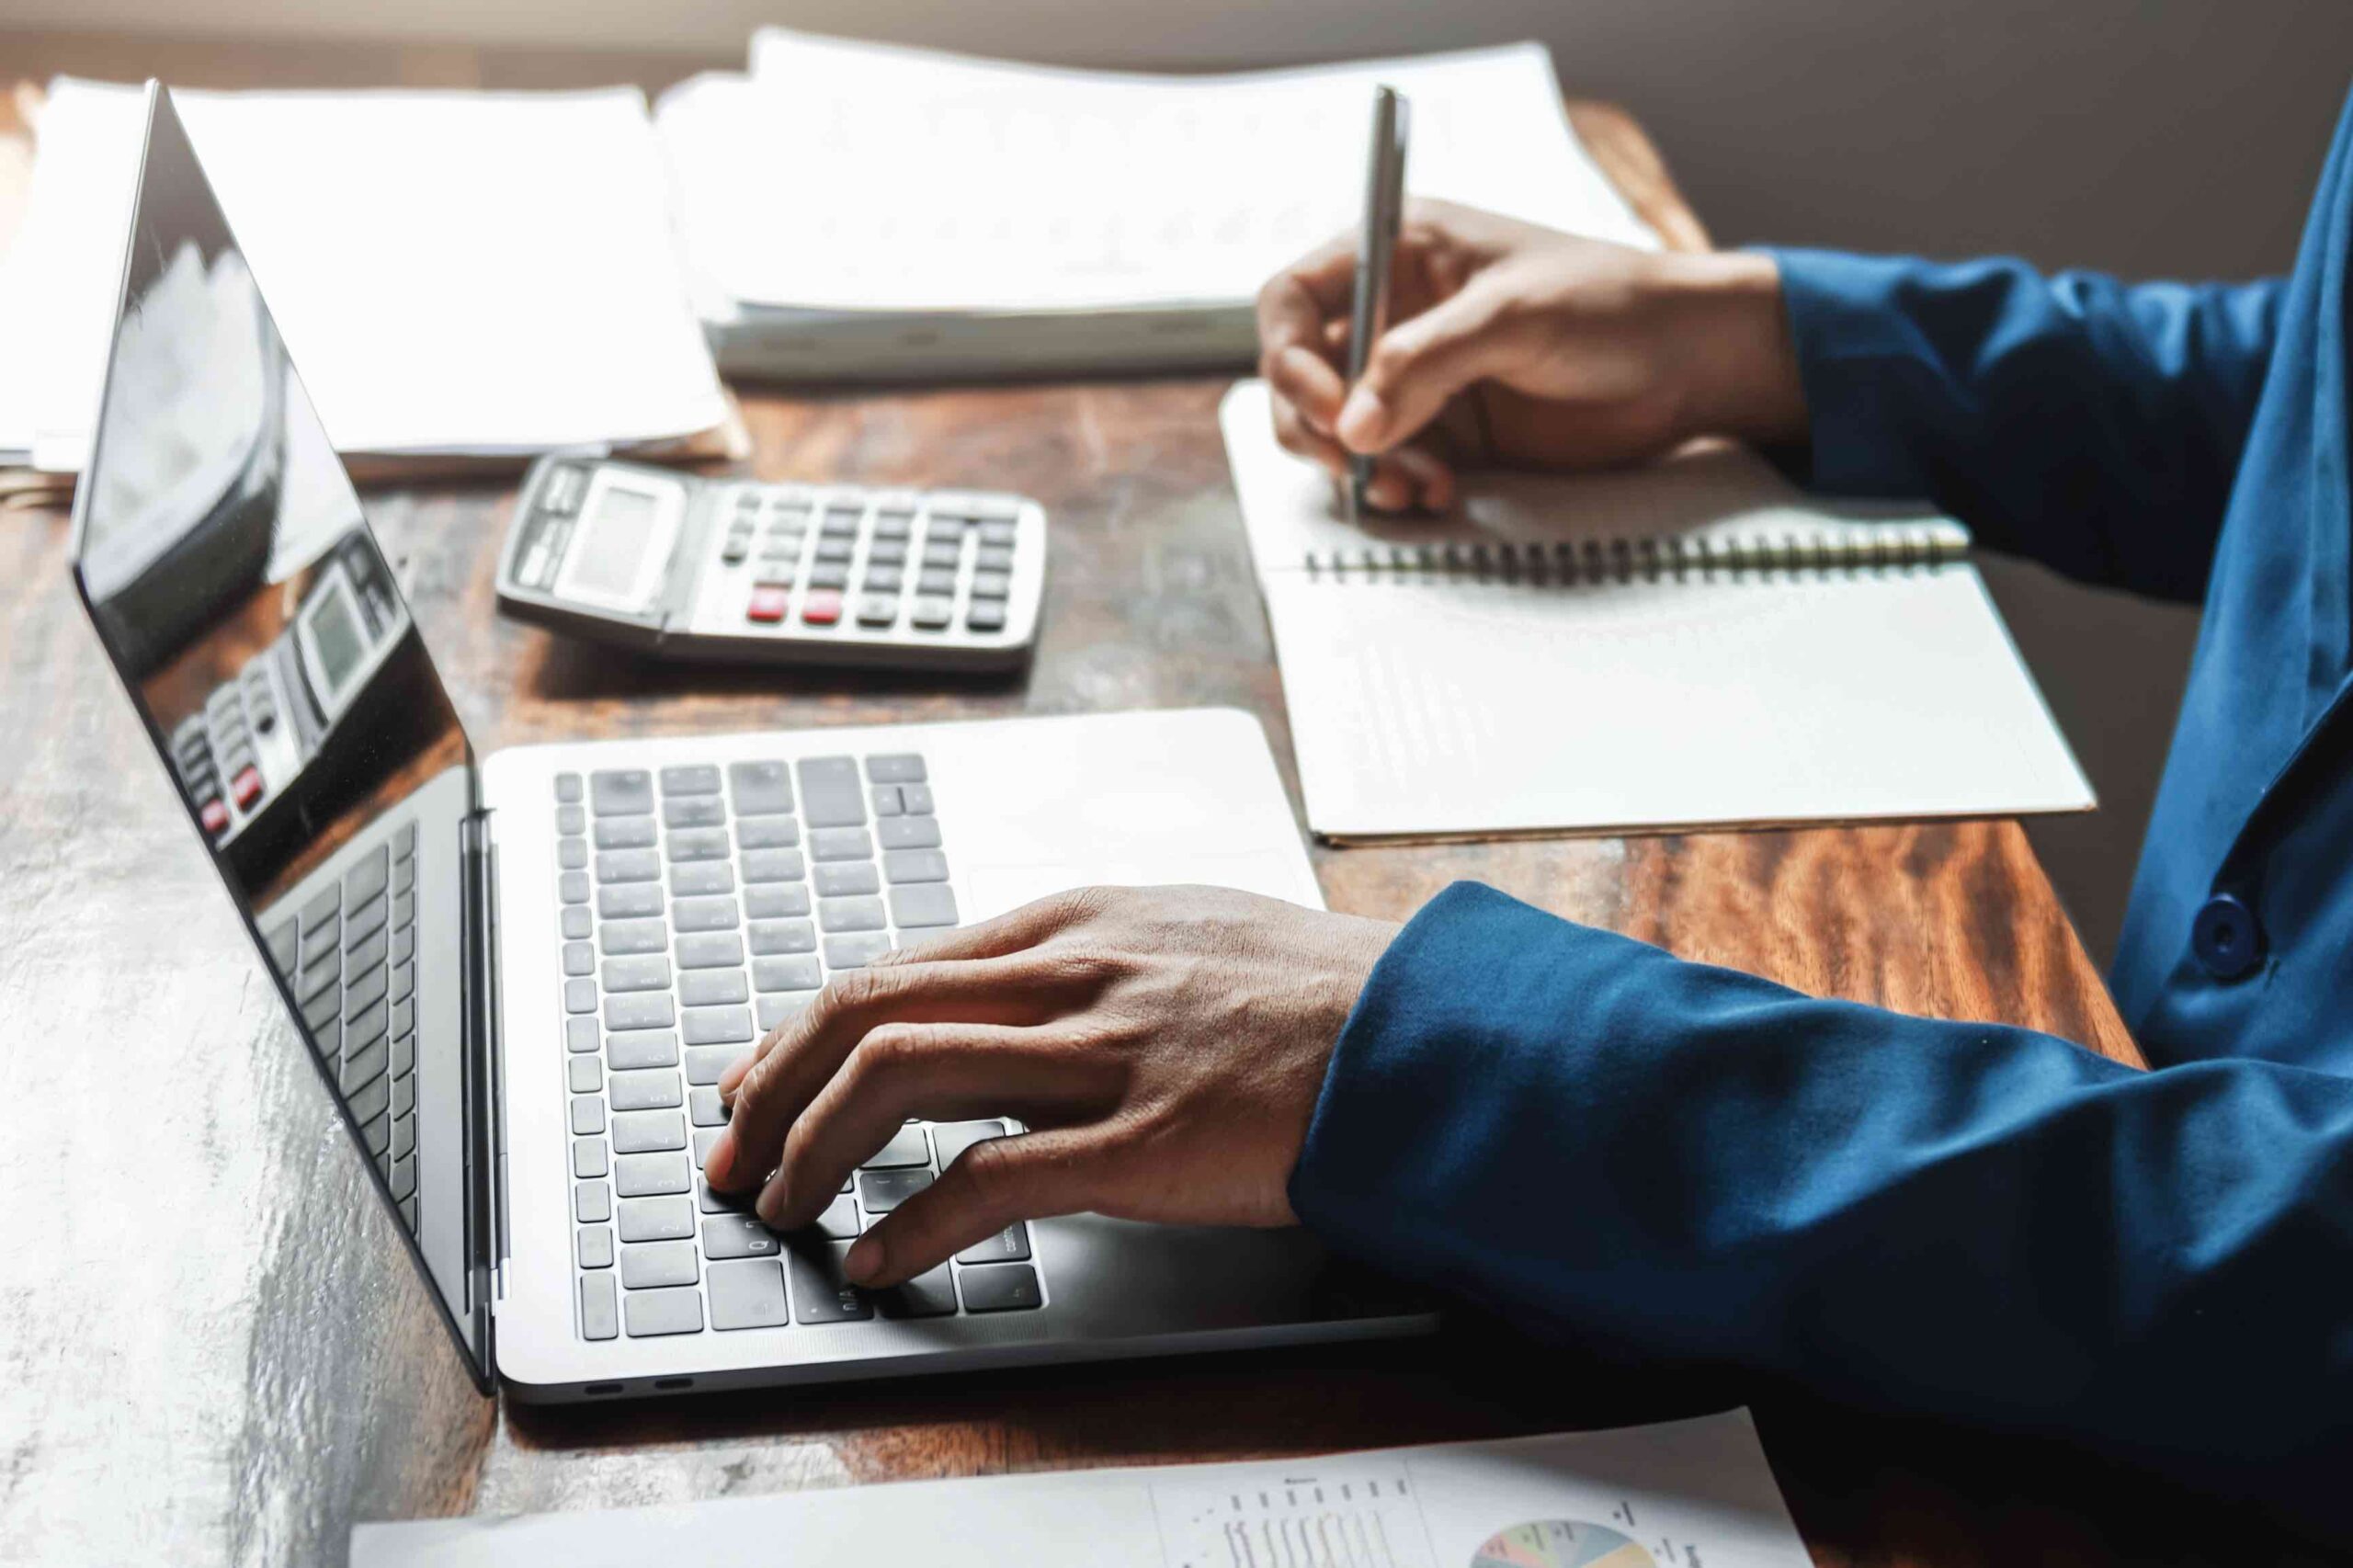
<point>2225,936</point>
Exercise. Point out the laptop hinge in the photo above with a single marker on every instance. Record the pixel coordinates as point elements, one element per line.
<point>486,1068</point>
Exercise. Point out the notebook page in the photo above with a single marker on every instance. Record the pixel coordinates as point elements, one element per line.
<point>917,181</point>
<point>461,273</point>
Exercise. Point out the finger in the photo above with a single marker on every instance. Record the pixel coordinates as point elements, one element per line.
<point>1429,476</point>
<point>1293,436</point>
<point>811,1046</point>
<point>991,1185</point>
<point>1012,932</point>
<point>1298,301</point>
<point>1423,361</point>
<point>1310,384</point>
<point>938,1072</point>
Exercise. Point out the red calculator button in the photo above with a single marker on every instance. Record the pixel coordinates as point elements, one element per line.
<point>767,602</point>
<point>214,815</point>
<point>822,608</point>
<point>246,788</point>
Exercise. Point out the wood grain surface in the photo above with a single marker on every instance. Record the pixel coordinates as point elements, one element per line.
<point>213,1350</point>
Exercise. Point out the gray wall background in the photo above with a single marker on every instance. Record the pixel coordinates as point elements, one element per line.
<point>2149,136</point>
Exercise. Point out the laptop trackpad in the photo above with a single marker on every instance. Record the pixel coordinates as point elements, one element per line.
<point>995,889</point>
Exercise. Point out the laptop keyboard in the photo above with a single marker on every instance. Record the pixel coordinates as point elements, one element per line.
<point>349,955</point>
<point>701,906</point>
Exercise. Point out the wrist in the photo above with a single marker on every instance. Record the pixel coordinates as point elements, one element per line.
<point>1736,362</point>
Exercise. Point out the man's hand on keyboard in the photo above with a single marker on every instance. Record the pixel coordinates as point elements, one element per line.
<point>1164,1045</point>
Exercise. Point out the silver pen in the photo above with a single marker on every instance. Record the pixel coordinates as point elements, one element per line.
<point>1384,204</point>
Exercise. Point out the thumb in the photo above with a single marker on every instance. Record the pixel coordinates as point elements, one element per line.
<point>1422,362</point>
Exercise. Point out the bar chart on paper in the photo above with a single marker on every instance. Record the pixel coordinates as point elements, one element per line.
<point>1326,1514</point>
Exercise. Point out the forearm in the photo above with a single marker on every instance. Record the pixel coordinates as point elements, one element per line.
<point>1955,1220</point>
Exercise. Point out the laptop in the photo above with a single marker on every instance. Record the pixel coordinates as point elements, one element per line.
<point>520,975</point>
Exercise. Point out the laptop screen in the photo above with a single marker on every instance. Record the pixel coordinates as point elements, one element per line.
<point>260,629</point>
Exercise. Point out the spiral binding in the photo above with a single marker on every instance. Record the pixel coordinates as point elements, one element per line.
<point>1888,547</point>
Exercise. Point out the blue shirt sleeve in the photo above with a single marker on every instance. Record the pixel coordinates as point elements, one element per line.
<point>2090,425</point>
<point>1964,1221</point>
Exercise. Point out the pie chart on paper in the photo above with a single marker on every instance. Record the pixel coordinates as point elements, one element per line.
<point>1561,1543</point>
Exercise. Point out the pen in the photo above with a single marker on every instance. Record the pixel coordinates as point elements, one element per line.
<point>1384,201</point>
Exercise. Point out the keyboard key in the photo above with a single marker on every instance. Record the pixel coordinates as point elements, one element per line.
<point>770,1011</point>
<point>579,958</point>
<point>821,1292</point>
<point>747,1295</point>
<point>777,900</point>
<point>704,1138</point>
<point>643,1010</point>
<point>361,922</point>
<point>587,1114</point>
<point>787,974</point>
<point>831,793</point>
<point>365,1028</point>
<point>840,879</point>
<point>572,887</point>
<point>362,1068</point>
<point>693,879</point>
<point>595,1247</point>
<point>576,923</point>
<point>650,971</point>
<point>698,844</point>
<point>633,1050</point>
<point>652,1313</point>
<point>630,901</point>
<point>717,1026</point>
<point>651,1089</point>
<point>878,1192</point>
<point>367,876</point>
<point>620,791</point>
<point>403,1177</point>
<point>648,1132</point>
<point>929,1295</point>
<point>584,1075</point>
<point>570,820</point>
<point>713,987</point>
<point>699,779</point>
<point>652,1265</point>
<point>952,1138</point>
<point>922,904</point>
<point>580,995</point>
<point>737,1235</point>
<point>643,1176</point>
<point>845,842</point>
<point>628,866</point>
<point>850,913</point>
<point>1008,1245</point>
<point>592,1202</point>
<point>694,810</point>
<point>767,832</point>
<point>914,866</point>
<point>854,952</point>
<point>711,950</point>
<point>907,1147</point>
<point>404,1083</point>
<point>567,788</point>
<point>916,799</point>
<point>908,832</point>
<point>588,1158</point>
<point>839,1221</point>
<point>633,936</point>
<point>773,937</point>
<point>1003,1287</point>
<point>377,1133</point>
<point>896,767</point>
<point>706,1063</point>
<point>759,788</point>
<point>886,800</point>
<point>774,865</point>
<point>625,833</point>
<point>704,913</point>
<point>598,1319</point>
<point>704,1109</point>
<point>657,1219</point>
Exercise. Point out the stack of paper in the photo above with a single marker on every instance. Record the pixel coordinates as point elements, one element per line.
<point>854,208</point>
<point>455,273</point>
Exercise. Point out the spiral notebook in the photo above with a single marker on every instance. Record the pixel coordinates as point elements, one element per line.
<point>1693,644</point>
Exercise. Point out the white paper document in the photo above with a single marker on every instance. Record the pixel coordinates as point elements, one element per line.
<point>1694,1493</point>
<point>457,273</point>
<point>850,177</point>
<point>1694,644</point>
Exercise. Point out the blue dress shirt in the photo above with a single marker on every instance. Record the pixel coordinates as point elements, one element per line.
<point>1964,1220</point>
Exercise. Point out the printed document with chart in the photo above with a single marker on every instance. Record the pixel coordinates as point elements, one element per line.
<point>1694,644</point>
<point>1694,1493</point>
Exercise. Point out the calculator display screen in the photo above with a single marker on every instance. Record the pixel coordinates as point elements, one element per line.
<point>335,631</point>
<point>612,545</point>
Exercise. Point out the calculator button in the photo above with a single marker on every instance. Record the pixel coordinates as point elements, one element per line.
<point>247,787</point>
<point>991,584</point>
<point>822,608</point>
<point>214,815</point>
<point>986,615</point>
<point>993,558</point>
<point>937,582</point>
<point>839,524</point>
<point>887,552</point>
<point>943,552</point>
<point>622,791</point>
<point>876,609</point>
<point>933,614</point>
<point>830,577</point>
<point>734,550</point>
<point>882,579</point>
<point>998,533</point>
<point>836,548</point>
<point>776,574</point>
<point>894,524</point>
<point>768,602</point>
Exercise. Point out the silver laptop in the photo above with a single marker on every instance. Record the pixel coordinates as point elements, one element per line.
<point>519,976</point>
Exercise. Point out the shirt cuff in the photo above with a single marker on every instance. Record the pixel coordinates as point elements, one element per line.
<point>1852,346</point>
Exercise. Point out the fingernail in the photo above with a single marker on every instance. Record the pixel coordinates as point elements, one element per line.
<point>1387,494</point>
<point>770,1204</point>
<point>865,1261</point>
<point>1361,419</point>
<point>717,1163</point>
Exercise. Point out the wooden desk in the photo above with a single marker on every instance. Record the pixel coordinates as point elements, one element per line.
<point>214,1351</point>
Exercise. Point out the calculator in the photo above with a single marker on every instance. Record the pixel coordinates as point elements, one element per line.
<point>735,569</point>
